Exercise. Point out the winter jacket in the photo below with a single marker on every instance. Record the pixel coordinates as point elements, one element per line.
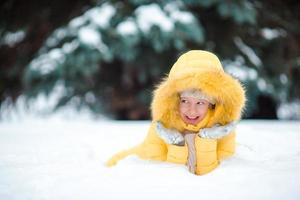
<point>198,70</point>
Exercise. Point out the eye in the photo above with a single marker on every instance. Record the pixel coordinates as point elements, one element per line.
<point>183,101</point>
<point>200,103</point>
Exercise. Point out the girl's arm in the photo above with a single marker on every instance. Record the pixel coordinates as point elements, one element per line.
<point>153,147</point>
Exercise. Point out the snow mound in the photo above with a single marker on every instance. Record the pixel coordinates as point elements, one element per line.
<point>64,159</point>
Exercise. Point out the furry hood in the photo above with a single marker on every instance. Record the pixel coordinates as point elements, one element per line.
<point>198,70</point>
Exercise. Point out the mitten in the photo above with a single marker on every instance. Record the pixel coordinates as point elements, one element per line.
<point>170,136</point>
<point>217,131</point>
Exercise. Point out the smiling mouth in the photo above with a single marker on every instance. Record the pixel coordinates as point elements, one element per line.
<point>192,118</point>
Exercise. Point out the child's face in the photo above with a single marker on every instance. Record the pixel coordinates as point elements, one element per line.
<point>192,110</point>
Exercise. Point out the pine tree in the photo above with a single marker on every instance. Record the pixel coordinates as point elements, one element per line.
<point>110,57</point>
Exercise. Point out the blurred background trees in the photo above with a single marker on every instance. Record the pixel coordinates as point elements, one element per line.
<point>108,55</point>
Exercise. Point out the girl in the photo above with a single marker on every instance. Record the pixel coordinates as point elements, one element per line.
<point>194,112</point>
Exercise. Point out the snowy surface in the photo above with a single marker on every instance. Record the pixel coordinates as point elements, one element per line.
<point>64,159</point>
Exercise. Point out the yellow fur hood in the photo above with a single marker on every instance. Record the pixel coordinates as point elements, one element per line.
<point>198,70</point>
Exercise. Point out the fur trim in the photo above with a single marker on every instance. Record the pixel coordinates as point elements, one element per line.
<point>196,94</point>
<point>226,90</point>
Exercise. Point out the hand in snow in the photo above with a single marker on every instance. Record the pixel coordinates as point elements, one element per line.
<point>217,131</point>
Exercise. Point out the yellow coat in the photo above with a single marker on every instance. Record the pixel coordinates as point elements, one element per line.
<point>198,70</point>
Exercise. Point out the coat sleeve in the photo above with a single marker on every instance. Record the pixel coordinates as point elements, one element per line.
<point>153,147</point>
<point>226,146</point>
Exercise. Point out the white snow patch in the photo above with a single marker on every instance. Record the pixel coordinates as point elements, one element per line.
<point>70,46</point>
<point>64,159</point>
<point>101,15</point>
<point>89,36</point>
<point>238,69</point>
<point>283,79</point>
<point>173,8</point>
<point>90,97</point>
<point>152,14</point>
<point>58,35</point>
<point>43,106</point>
<point>289,111</point>
<point>56,54</point>
<point>262,85</point>
<point>47,63</point>
<point>12,38</point>
<point>77,22</point>
<point>127,27</point>
<point>182,16</point>
<point>271,34</point>
<point>248,52</point>
<point>98,16</point>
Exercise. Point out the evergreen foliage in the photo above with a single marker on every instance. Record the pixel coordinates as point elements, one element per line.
<point>110,57</point>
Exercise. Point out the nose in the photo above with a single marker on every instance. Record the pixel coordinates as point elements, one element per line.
<point>192,110</point>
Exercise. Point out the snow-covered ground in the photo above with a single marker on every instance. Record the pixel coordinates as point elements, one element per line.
<point>64,159</point>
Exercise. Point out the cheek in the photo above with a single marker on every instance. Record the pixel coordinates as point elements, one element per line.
<point>183,109</point>
<point>202,110</point>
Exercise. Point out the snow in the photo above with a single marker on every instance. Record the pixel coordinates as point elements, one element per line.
<point>56,54</point>
<point>54,39</point>
<point>90,97</point>
<point>183,17</point>
<point>283,79</point>
<point>174,8</point>
<point>47,63</point>
<point>127,27</point>
<point>69,47</point>
<point>152,14</point>
<point>289,110</point>
<point>238,68</point>
<point>248,52</point>
<point>42,104</point>
<point>261,84</point>
<point>89,36</point>
<point>77,22</point>
<point>271,34</point>
<point>101,15</point>
<point>12,38</point>
<point>57,158</point>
